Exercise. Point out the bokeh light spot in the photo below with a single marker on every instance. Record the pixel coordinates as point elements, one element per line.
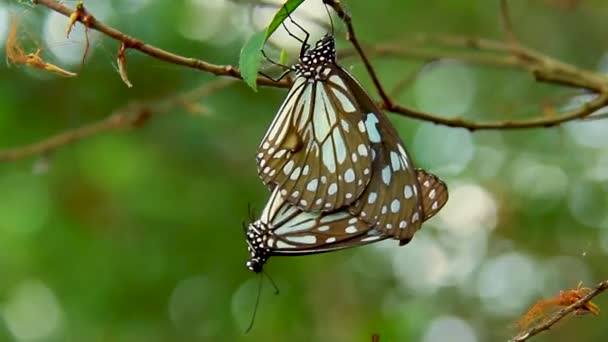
<point>444,149</point>
<point>449,328</point>
<point>24,203</point>
<point>32,311</point>
<point>508,283</point>
<point>446,87</point>
<point>4,23</point>
<point>470,209</point>
<point>587,203</point>
<point>310,14</point>
<point>211,21</point>
<point>425,275</point>
<point>190,307</point>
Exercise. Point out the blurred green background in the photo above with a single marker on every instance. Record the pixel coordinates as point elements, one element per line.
<point>136,236</point>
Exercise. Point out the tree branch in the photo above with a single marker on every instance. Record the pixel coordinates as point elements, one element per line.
<point>153,51</point>
<point>131,116</point>
<point>479,51</point>
<point>547,324</point>
<point>350,36</point>
<point>543,68</point>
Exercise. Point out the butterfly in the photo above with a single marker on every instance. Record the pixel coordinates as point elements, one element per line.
<point>331,148</point>
<point>286,230</point>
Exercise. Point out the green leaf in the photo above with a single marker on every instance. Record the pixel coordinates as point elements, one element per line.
<point>251,56</point>
<point>281,15</point>
<point>251,59</point>
<point>283,57</point>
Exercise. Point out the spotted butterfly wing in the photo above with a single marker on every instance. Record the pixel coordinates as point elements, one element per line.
<point>390,202</point>
<point>434,193</point>
<point>317,150</point>
<point>284,229</point>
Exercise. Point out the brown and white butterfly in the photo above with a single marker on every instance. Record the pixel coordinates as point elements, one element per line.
<point>286,230</point>
<point>331,148</point>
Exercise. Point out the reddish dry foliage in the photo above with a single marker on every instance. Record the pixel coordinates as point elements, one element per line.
<point>15,53</point>
<point>544,307</point>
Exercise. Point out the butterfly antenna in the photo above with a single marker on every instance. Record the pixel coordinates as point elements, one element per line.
<point>274,285</point>
<point>331,20</point>
<point>250,211</point>
<point>255,307</point>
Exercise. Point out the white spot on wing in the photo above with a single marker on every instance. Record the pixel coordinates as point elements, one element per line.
<point>395,163</point>
<point>386,175</point>
<point>415,217</point>
<point>307,239</point>
<point>340,146</point>
<point>371,238</point>
<point>279,153</point>
<point>333,188</point>
<point>345,126</point>
<point>362,150</point>
<point>349,176</point>
<point>295,174</point>
<point>347,105</point>
<point>287,168</point>
<point>407,192</point>
<point>361,126</point>
<point>337,80</point>
<point>281,244</point>
<point>320,118</point>
<point>312,185</point>
<point>328,156</point>
<point>395,205</point>
<point>372,197</point>
<point>372,130</point>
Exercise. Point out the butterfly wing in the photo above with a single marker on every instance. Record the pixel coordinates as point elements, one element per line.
<point>296,232</point>
<point>317,149</point>
<point>434,193</point>
<point>391,202</point>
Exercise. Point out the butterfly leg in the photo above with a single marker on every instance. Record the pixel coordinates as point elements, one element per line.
<point>305,45</point>
<point>287,71</point>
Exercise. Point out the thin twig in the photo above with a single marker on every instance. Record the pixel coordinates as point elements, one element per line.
<point>578,113</point>
<point>345,16</point>
<point>131,116</point>
<point>153,51</point>
<point>547,324</point>
<point>541,67</point>
<point>507,25</point>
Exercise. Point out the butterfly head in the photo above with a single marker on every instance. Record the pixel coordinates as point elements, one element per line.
<point>315,62</point>
<point>257,237</point>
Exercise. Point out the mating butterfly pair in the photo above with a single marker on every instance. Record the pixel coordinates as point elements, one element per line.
<point>339,173</point>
